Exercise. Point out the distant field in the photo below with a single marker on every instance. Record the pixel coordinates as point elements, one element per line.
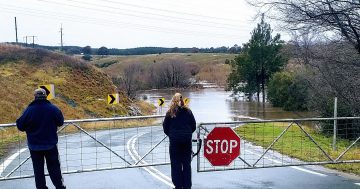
<point>212,66</point>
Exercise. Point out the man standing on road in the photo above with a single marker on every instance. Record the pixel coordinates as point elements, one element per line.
<point>40,121</point>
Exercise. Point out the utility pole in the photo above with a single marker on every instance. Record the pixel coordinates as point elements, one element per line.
<point>26,40</point>
<point>33,40</point>
<point>61,37</point>
<point>16,33</point>
<point>33,44</point>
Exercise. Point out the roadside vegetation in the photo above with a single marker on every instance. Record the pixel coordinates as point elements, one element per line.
<point>81,89</point>
<point>295,144</point>
<point>158,71</point>
<point>321,63</point>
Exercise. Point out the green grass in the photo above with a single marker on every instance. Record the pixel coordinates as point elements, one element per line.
<point>294,143</point>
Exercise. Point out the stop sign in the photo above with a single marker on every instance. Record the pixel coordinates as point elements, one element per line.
<point>222,146</point>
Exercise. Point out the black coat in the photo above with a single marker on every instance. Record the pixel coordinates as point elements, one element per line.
<point>40,121</point>
<point>181,126</point>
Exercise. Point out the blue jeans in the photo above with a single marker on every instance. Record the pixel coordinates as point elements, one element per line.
<point>53,165</point>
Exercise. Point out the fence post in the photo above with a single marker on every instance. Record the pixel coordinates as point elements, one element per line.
<point>335,124</point>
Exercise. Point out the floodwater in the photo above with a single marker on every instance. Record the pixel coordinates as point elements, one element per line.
<point>215,104</point>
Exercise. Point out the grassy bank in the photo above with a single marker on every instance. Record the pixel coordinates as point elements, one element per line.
<point>294,143</point>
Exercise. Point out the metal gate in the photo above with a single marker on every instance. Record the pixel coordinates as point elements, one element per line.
<point>129,142</point>
<point>91,145</point>
<point>289,142</point>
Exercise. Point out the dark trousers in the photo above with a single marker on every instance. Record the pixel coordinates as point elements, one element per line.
<point>180,157</point>
<point>53,165</point>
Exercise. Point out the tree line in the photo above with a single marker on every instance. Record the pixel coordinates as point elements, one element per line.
<point>88,50</point>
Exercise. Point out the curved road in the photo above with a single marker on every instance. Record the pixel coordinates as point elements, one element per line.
<point>79,149</point>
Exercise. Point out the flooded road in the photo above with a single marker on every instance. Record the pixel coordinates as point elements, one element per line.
<point>215,104</point>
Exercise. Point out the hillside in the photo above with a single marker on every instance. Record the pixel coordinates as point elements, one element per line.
<point>212,65</point>
<point>81,89</point>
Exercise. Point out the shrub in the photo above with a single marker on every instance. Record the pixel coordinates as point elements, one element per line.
<point>87,57</point>
<point>287,91</point>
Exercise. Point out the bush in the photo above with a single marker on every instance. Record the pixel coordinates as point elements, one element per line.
<point>287,91</point>
<point>87,57</point>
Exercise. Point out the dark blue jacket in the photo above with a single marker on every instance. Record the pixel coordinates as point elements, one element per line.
<point>180,127</point>
<point>40,121</point>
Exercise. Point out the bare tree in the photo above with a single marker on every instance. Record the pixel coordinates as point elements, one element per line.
<point>130,78</point>
<point>173,73</point>
<point>341,17</point>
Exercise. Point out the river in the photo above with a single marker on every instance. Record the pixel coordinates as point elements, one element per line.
<point>215,104</point>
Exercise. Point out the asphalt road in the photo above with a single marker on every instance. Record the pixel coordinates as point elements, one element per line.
<point>80,152</point>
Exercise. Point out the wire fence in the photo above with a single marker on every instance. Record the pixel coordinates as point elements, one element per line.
<point>290,142</point>
<point>91,145</point>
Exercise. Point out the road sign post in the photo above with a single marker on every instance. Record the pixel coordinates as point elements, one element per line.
<point>50,91</point>
<point>161,103</point>
<point>113,99</point>
<point>222,146</point>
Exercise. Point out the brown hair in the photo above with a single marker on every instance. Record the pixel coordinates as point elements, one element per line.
<point>176,103</point>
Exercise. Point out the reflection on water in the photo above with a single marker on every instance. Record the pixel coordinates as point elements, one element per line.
<point>213,105</point>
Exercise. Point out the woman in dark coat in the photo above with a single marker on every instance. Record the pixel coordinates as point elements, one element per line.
<point>179,124</point>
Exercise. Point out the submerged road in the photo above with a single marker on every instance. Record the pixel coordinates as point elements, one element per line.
<point>80,152</point>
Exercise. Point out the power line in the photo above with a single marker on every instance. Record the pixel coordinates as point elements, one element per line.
<point>145,15</point>
<point>77,19</point>
<point>169,11</point>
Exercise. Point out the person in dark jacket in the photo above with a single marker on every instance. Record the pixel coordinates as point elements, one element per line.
<point>40,121</point>
<point>179,124</point>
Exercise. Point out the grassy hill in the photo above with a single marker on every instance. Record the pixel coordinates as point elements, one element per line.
<point>212,65</point>
<point>81,89</point>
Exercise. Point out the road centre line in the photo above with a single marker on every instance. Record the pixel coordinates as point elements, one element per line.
<point>9,160</point>
<point>135,156</point>
<point>144,162</point>
<point>294,167</point>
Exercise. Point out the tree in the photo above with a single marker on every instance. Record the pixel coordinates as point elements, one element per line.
<point>86,50</point>
<point>260,58</point>
<point>103,51</point>
<point>341,17</point>
<point>86,57</point>
<point>288,91</point>
<point>129,79</point>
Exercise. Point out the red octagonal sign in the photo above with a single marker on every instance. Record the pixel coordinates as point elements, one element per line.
<point>222,146</point>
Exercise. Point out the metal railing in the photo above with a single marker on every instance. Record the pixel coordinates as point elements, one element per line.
<point>288,142</point>
<point>89,145</point>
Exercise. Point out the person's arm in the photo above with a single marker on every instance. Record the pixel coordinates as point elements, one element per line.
<point>166,124</point>
<point>59,118</point>
<point>23,121</point>
<point>192,121</point>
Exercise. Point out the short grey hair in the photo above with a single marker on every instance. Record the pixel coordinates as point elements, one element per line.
<point>38,93</point>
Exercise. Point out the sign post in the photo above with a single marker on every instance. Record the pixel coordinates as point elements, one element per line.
<point>222,146</point>
<point>113,98</point>
<point>161,103</point>
<point>50,91</point>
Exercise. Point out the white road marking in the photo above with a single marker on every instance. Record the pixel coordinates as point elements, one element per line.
<point>8,161</point>
<point>297,168</point>
<point>151,170</point>
<point>357,184</point>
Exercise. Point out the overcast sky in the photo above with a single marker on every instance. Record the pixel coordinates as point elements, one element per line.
<point>127,24</point>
